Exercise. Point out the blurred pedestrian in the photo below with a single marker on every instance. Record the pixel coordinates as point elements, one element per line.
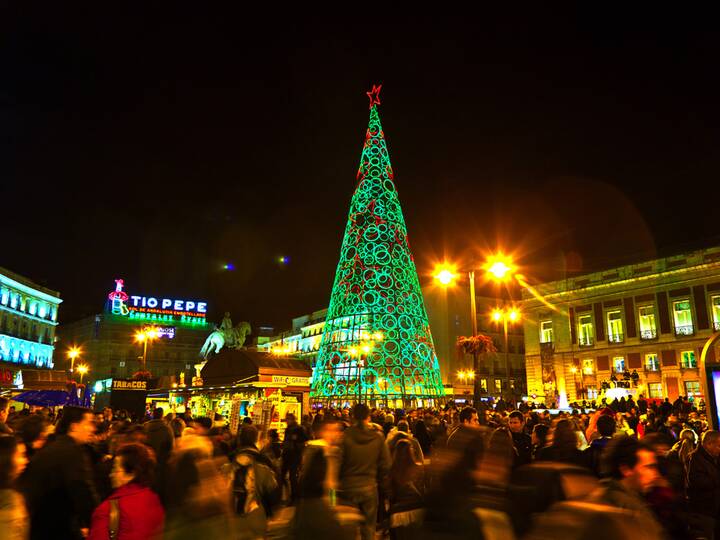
<point>133,511</point>
<point>14,519</point>
<point>703,486</point>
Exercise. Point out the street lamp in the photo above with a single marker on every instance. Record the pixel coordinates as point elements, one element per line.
<point>446,275</point>
<point>144,336</point>
<point>73,353</point>
<point>82,370</point>
<point>506,315</point>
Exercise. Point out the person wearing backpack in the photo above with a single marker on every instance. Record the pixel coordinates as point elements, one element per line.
<point>292,451</point>
<point>254,486</point>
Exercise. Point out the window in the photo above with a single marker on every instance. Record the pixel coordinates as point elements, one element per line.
<point>615,328</point>
<point>498,385</point>
<point>687,359</point>
<point>585,330</point>
<point>483,385</point>
<point>692,388</point>
<point>655,390</point>
<point>588,366</point>
<point>122,364</point>
<point>592,392</point>
<point>651,362</point>
<point>646,314</point>
<point>683,318</point>
<point>546,331</point>
<point>619,364</point>
<point>715,303</point>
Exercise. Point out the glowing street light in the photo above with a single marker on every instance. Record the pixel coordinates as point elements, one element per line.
<point>73,353</point>
<point>512,315</point>
<point>499,267</point>
<point>82,370</point>
<point>144,336</point>
<point>444,275</point>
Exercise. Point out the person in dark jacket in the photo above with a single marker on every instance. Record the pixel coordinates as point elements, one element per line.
<point>365,462</point>
<point>293,445</point>
<point>58,482</point>
<point>407,492</point>
<point>703,485</point>
<point>314,518</point>
<point>521,440</point>
<point>591,455</point>
<point>140,514</point>
<point>161,439</point>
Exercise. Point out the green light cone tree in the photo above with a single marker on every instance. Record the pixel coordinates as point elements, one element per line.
<point>376,344</point>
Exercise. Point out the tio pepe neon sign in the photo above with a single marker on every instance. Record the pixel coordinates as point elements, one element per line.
<point>123,304</point>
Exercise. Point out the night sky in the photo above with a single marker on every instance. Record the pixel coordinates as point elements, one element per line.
<point>159,145</point>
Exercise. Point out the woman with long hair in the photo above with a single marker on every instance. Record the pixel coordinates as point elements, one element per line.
<point>407,492</point>
<point>564,447</point>
<point>14,519</point>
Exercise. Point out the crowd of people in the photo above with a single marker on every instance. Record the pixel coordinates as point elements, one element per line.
<point>632,469</point>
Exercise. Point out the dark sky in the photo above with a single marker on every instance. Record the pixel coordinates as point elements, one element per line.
<point>159,145</point>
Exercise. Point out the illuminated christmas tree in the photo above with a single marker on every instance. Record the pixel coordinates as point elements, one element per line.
<point>376,344</point>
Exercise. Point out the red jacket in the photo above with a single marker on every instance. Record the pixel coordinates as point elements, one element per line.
<point>141,514</point>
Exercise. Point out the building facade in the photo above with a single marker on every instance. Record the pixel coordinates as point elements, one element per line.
<point>652,318</point>
<point>302,340</point>
<point>109,345</point>
<point>28,317</point>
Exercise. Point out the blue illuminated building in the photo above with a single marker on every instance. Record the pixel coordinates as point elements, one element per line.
<point>28,317</point>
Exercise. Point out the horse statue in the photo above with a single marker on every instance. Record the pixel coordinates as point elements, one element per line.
<point>232,338</point>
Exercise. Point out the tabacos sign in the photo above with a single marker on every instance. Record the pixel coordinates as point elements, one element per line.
<point>126,384</point>
<point>155,308</point>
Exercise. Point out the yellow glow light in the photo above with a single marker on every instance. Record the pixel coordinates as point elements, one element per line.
<point>573,369</point>
<point>497,314</point>
<point>378,336</point>
<point>461,375</point>
<point>513,314</point>
<point>499,267</point>
<point>82,369</point>
<point>471,374</point>
<point>151,333</point>
<point>73,353</point>
<point>366,348</point>
<point>445,275</point>
<point>353,351</point>
<point>140,336</point>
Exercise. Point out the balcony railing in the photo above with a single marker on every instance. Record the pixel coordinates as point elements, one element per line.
<point>688,365</point>
<point>648,334</point>
<point>686,330</point>
<point>652,367</point>
<point>585,341</point>
<point>616,338</point>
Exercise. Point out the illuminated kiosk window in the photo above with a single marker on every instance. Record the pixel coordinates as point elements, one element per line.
<point>546,332</point>
<point>651,362</point>
<point>619,364</point>
<point>715,302</point>
<point>615,326</point>
<point>592,392</point>
<point>682,315</point>
<point>483,385</point>
<point>498,385</point>
<point>646,318</point>
<point>687,359</point>
<point>585,330</point>
<point>655,390</point>
<point>692,388</point>
<point>588,366</point>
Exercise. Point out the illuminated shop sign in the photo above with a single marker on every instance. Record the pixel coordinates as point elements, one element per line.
<point>125,384</point>
<point>150,308</point>
<point>165,331</point>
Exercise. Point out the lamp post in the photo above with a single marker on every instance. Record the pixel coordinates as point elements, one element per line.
<point>506,315</point>
<point>82,370</point>
<point>144,336</point>
<point>73,353</point>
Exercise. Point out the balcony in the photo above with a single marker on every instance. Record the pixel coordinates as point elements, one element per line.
<point>686,330</point>
<point>586,341</point>
<point>616,338</point>
<point>648,334</point>
<point>716,326</point>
